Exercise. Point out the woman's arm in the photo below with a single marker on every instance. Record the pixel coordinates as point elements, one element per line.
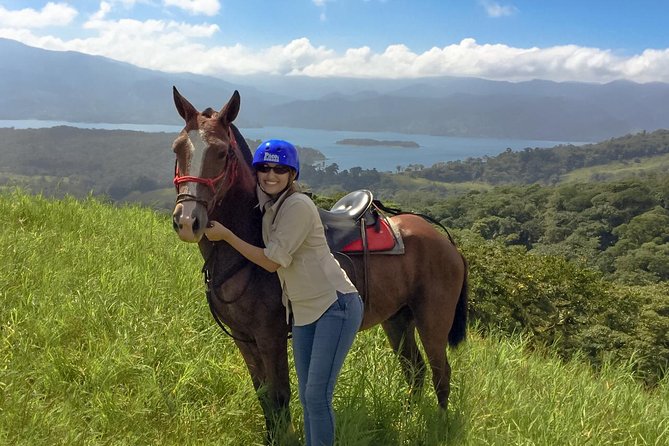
<point>255,254</point>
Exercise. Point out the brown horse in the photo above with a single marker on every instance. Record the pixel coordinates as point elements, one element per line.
<point>423,289</point>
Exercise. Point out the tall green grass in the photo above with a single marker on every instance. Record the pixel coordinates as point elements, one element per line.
<point>107,340</point>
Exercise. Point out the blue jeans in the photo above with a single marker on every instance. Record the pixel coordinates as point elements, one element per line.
<point>320,349</point>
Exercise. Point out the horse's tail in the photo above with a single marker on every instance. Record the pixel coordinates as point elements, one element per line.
<point>458,331</point>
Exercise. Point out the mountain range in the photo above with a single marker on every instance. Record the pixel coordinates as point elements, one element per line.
<point>76,87</point>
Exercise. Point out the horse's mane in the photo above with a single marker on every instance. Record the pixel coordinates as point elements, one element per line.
<point>243,146</point>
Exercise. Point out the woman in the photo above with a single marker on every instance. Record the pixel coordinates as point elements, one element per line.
<point>323,304</point>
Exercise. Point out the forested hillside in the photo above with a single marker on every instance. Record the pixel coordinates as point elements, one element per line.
<point>548,165</point>
<point>619,227</point>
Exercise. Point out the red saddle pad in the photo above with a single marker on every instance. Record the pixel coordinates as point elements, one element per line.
<point>382,240</point>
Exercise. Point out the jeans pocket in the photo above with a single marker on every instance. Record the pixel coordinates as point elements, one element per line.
<point>346,299</point>
<point>341,301</point>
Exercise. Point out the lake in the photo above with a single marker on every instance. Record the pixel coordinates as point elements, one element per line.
<point>433,149</point>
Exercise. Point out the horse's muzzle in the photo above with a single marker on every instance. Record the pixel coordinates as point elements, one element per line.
<point>189,220</point>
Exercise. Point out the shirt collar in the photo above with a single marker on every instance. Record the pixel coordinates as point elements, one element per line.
<point>264,199</point>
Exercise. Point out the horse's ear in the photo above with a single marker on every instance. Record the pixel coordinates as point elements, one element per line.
<point>230,110</point>
<point>185,108</point>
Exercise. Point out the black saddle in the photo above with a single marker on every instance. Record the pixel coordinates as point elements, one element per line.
<point>342,221</point>
<point>353,206</point>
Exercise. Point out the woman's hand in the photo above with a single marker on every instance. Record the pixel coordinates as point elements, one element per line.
<point>216,232</point>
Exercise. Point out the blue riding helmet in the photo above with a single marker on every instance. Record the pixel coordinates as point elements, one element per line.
<point>277,151</point>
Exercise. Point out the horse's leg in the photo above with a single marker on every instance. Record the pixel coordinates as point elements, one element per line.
<point>433,331</point>
<point>274,356</point>
<point>273,395</point>
<point>249,351</point>
<point>400,329</point>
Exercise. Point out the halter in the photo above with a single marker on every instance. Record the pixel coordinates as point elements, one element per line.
<point>211,183</point>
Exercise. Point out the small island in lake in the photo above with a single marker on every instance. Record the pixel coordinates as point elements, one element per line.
<point>376,142</point>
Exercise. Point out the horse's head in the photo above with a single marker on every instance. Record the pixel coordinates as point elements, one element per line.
<point>208,164</point>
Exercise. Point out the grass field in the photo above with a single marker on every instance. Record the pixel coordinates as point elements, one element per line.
<point>618,170</point>
<point>107,340</point>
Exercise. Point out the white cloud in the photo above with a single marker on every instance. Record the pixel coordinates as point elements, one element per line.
<point>150,29</point>
<point>156,44</point>
<point>105,7</point>
<point>52,14</point>
<point>179,46</point>
<point>495,61</point>
<point>494,9</point>
<point>649,66</point>
<point>206,7</point>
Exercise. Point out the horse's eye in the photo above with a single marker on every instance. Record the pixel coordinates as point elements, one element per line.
<point>221,155</point>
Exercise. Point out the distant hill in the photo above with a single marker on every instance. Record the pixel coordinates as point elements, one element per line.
<point>549,166</point>
<point>68,160</point>
<point>76,87</point>
<point>70,86</point>
<point>478,108</point>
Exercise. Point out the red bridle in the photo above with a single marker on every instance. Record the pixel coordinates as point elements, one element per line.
<point>229,173</point>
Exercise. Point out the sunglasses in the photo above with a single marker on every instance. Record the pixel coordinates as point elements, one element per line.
<point>278,169</point>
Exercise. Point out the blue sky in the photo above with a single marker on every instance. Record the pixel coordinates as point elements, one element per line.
<point>566,40</point>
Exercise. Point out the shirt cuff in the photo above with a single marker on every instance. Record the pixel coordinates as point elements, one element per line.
<point>276,254</point>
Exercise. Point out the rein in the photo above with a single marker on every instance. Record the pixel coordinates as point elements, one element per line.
<point>211,285</point>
